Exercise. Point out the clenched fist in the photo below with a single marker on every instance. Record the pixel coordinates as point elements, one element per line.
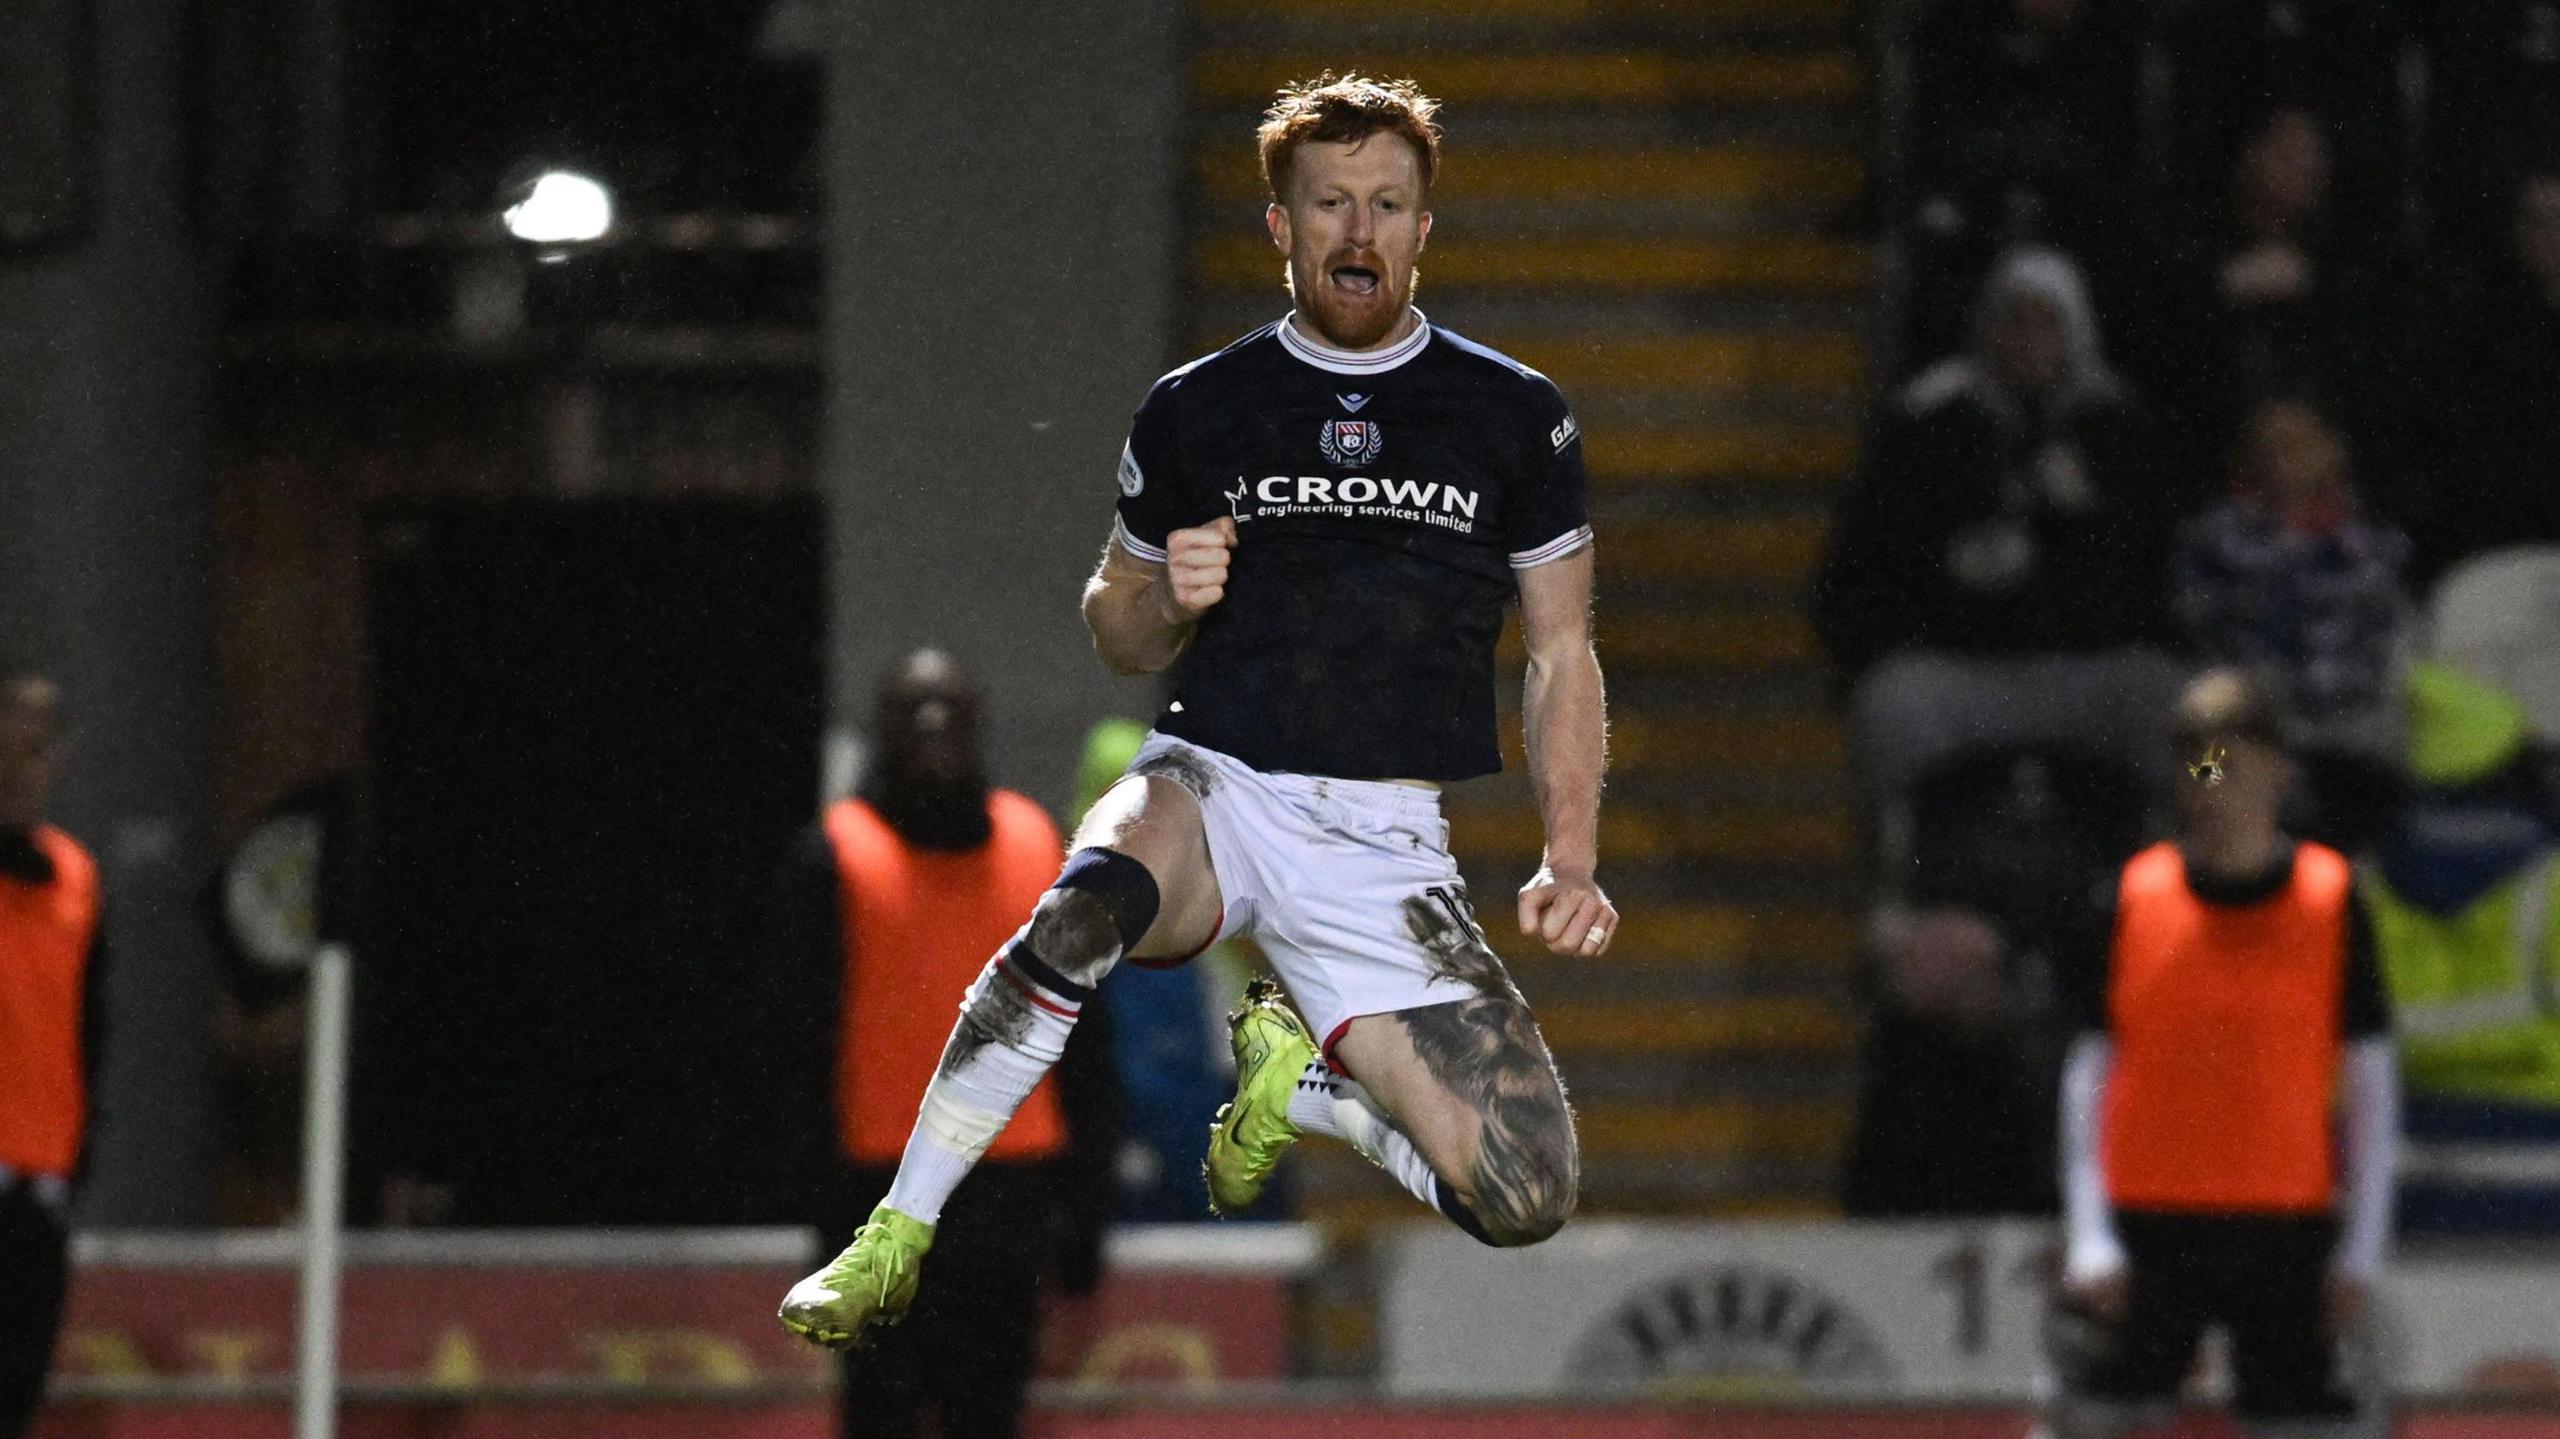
<point>1195,563</point>
<point>1568,913</point>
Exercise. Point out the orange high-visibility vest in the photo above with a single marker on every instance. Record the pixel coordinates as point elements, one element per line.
<point>45,935</point>
<point>919,925</point>
<point>2226,1026</point>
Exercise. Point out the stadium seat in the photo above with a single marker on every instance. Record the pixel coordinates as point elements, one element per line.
<point>2497,617</point>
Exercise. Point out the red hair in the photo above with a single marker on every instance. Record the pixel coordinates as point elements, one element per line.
<point>1345,110</point>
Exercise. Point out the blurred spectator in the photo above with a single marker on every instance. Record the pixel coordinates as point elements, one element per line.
<point>2287,579</point>
<point>2230,1105</point>
<point>2456,901</point>
<point>2494,80</point>
<point>2478,850</point>
<point>2295,285</point>
<point>2232,59</point>
<point>890,907</point>
<point>2270,267</point>
<point>2496,399</point>
<point>1952,1119</point>
<point>1994,570</point>
<point>2025,126</point>
<point>52,1037</point>
<point>2025,94</point>
<point>2285,575</point>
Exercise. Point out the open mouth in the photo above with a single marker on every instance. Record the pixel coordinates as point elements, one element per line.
<point>1357,279</point>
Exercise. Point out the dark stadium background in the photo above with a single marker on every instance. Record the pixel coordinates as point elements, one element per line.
<point>561,561</point>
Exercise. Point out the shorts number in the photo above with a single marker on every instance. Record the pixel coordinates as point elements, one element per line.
<point>1454,900</point>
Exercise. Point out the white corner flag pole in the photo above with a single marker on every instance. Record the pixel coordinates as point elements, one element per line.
<point>324,1135</point>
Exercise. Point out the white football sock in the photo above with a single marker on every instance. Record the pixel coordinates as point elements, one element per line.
<point>1014,1028</point>
<point>1329,1103</point>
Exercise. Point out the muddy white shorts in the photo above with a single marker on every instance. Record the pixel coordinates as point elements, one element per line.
<point>1346,884</point>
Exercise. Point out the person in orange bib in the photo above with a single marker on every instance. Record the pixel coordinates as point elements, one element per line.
<point>897,897</point>
<point>52,1035</point>
<point>2230,1107</point>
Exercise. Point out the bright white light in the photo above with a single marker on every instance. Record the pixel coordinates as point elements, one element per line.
<point>564,208</point>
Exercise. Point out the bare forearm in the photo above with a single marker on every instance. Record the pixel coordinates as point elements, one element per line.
<point>1568,752</point>
<point>1135,629</point>
<point>2088,1217</point>
<point>2371,1158</point>
<point>1142,613</point>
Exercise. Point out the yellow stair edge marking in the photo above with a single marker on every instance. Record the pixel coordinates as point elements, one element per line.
<point>1774,1206</point>
<point>1723,1130</point>
<point>1831,364</point>
<point>1617,455</point>
<point>1747,1025</point>
<point>1231,171</point>
<point>1545,976</point>
<point>1599,262</point>
<point>1718,362</point>
<point>1554,12</point>
<point>1632,835</point>
<point>1706,740</point>
<point>1789,742</point>
<point>1782,548</point>
<point>1712,639</point>
<point>1707,936</point>
<point>1252,77</point>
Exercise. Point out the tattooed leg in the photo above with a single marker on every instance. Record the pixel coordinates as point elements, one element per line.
<point>1521,1176</point>
<point>1471,1083</point>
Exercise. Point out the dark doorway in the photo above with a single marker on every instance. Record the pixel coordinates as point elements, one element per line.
<point>595,725</point>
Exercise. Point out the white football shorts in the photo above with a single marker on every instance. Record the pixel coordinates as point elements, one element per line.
<point>1346,884</point>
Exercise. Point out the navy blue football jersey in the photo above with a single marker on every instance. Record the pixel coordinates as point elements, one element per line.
<point>1383,501</point>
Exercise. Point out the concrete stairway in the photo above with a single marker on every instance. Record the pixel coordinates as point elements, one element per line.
<point>1639,199</point>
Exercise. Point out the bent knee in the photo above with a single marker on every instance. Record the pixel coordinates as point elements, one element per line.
<point>1073,932</point>
<point>1525,1230</point>
<point>1536,1218</point>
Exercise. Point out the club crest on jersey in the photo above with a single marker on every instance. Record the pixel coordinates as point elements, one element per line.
<point>1351,442</point>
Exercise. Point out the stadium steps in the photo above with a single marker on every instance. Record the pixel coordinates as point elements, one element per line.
<point>1695,636</point>
<point>1562,76</point>
<point>1677,742</point>
<point>1542,15</point>
<point>1645,202</point>
<point>1800,459</point>
<point>1759,553</point>
<point>1647,189</point>
<point>1688,364</point>
<point>1720,178</point>
<point>1825,364</point>
<point>1512,836</point>
<point>1645,263</point>
<point>1702,939</point>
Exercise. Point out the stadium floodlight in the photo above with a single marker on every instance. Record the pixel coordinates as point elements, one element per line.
<point>562,207</point>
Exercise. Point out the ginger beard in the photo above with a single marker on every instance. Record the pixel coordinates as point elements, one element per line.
<point>1353,298</point>
<point>1353,230</point>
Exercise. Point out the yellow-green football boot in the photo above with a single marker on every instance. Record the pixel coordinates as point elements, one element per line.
<point>866,1288</point>
<point>1273,1049</point>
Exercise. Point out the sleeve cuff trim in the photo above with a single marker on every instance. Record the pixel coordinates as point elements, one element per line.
<point>1153,554</point>
<point>1571,542</point>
